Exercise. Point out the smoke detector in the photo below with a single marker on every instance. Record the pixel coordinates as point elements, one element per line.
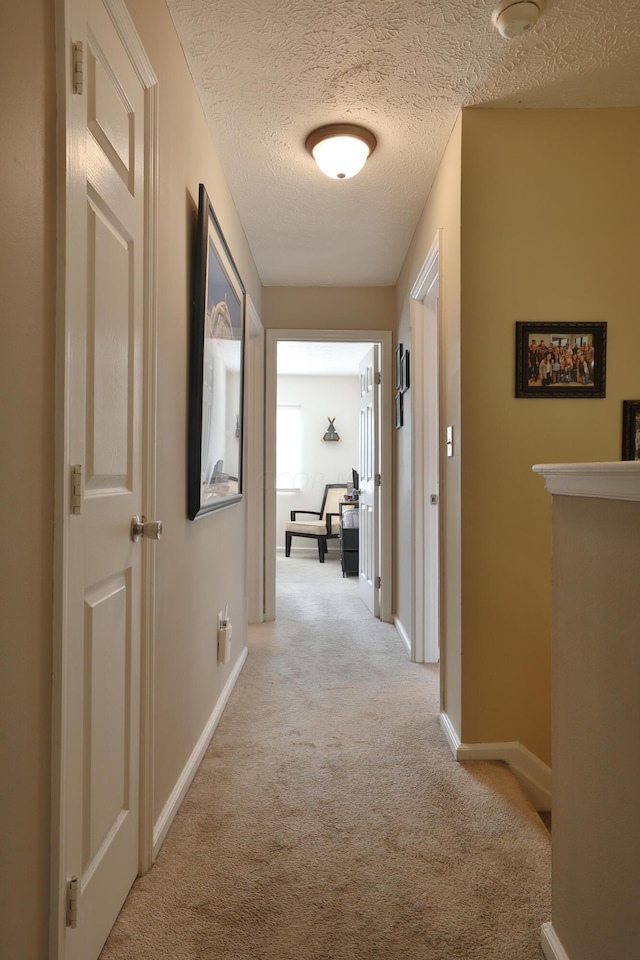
<point>512,18</point>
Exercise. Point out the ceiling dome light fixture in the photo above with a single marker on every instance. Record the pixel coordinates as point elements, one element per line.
<point>512,18</point>
<point>341,149</point>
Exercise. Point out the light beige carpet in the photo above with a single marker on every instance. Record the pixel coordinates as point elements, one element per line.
<point>328,820</point>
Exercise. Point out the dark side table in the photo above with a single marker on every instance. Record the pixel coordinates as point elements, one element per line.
<point>349,540</point>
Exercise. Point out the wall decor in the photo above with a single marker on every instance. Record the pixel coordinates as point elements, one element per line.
<point>406,372</point>
<point>561,359</point>
<point>399,367</point>
<point>216,371</point>
<point>331,432</point>
<point>631,429</point>
<point>399,410</point>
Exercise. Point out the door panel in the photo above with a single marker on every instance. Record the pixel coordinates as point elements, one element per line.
<point>106,261</point>
<point>110,353</point>
<point>368,467</point>
<point>107,695</point>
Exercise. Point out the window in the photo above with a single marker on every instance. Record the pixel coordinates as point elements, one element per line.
<point>288,446</point>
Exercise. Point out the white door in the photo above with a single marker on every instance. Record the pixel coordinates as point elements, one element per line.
<point>369,470</point>
<point>105,277</point>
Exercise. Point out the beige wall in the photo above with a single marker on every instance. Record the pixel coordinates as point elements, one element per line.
<point>329,308</point>
<point>27,281</point>
<point>596,718</point>
<point>550,231</point>
<point>200,565</point>
<point>442,212</point>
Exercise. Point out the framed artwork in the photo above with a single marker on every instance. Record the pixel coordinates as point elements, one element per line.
<point>631,429</point>
<point>399,410</point>
<point>561,359</point>
<point>406,372</point>
<point>216,371</point>
<point>399,367</point>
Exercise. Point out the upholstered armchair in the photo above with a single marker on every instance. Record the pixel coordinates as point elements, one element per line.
<point>325,527</point>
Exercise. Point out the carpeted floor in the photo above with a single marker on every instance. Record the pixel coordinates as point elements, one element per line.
<point>328,820</point>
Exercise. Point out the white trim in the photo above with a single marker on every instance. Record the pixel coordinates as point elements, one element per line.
<point>618,480</point>
<point>533,774</point>
<point>550,943</point>
<point>270,537</point>
<point>384,338</point>
<point>147,653</point>
<point>450,733</point>
<point>254,459</point>
<point>61,501</point>
<point>183,782</point>
<point>402,633</point>
<point>425,470</point>
<point>429,271</point>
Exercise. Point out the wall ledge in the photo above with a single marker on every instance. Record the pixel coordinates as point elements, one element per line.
<point>183,782</point>
<point>534,775</point>
<point>550,943</point>
<point>618,480</point>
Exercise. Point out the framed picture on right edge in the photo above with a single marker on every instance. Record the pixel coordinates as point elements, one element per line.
<point>631,429</point>
<point>398,410</point>
<point>399,367</point>
<point>561,359</point>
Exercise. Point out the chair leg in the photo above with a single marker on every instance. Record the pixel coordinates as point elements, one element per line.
<point>287,544</point>
<point>322,548</point>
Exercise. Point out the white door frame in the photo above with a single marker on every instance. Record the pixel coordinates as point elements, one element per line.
<point>129,37</point>
<point>425,482</point>
<point>384,338</point>
<point>254,420</point>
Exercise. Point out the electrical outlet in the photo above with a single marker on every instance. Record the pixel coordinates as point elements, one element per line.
<point>224,642</point>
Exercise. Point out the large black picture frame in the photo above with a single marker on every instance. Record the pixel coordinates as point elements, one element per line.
<point>216,371</point>
<point>585,344</point>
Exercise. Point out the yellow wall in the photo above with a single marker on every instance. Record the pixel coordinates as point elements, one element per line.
<point>328,308</point>
<point>27,282</point>
<point>442,212</point>
<point>550,232</point>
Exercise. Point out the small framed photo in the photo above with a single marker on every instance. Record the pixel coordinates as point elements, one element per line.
<point>561,359</point>
<point>399,410</point>
<point>399,367</point>
<point>406,373</point>
<point>631,429</point>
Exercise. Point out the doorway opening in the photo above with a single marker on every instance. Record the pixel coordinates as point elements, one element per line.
<point>314,388</point>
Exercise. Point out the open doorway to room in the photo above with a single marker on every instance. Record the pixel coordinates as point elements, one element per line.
<point>327,418</point>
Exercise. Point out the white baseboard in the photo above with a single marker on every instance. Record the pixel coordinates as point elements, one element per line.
<point>402,633</point>
<point>450,733</point>
<point>171,807</point>
<point>533,774</point>
<point>551,946</point>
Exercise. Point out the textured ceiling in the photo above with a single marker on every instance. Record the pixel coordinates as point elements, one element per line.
<point>270,71</point>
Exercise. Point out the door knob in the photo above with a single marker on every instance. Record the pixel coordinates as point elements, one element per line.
<point>141,527</point>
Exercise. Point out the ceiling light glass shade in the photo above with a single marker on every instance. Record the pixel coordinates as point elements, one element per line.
<point>512,18</point>
<point>341,149</point>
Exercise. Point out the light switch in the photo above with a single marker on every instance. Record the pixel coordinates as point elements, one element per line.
<point>449,441</point>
